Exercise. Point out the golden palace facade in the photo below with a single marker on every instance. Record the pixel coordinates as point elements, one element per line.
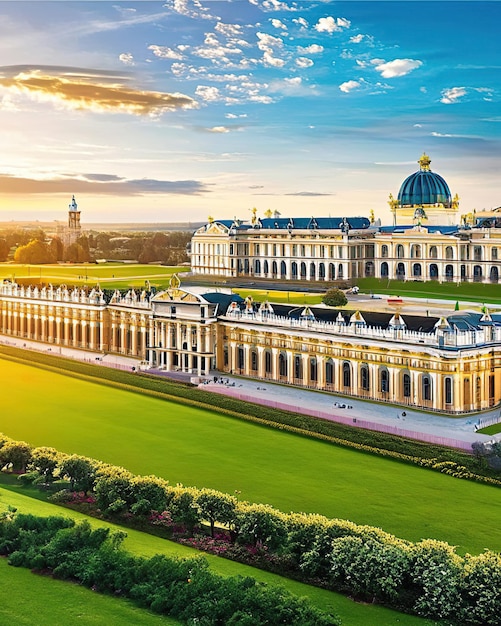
<point>428,240</point>
<point>450,365</point>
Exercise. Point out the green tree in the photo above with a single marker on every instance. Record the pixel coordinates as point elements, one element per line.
<point>80,471</point>
<point>35,252</point>
<point>15,454</point>
<point>75,253</point>
<point>215,506</point>
<point>45,461</point>
<point>334,297</point>
<point>57,248</point>
<point>4,249</point>
<point>261,525</point>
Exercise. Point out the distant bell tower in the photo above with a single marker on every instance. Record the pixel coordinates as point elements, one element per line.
<point>74,220</point>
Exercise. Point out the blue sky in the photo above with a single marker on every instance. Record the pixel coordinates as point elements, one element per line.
<point>177,110</point>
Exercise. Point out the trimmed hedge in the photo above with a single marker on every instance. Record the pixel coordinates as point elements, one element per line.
<point>181,588</point>
<point>427,578</point>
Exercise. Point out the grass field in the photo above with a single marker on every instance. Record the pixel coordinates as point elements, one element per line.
<point>108,275</point>
<point>28,599</point>
<point>197,447</point>
<point>109,611</point>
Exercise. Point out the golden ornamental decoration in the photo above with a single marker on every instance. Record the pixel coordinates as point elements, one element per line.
<point>424,162</point>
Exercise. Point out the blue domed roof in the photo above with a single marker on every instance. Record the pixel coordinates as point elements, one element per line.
<point>424,187</point>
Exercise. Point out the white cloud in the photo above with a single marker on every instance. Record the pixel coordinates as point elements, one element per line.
<point>349,85</point>
<point>269,59</point>
<point>434,134</point>
<point>126,58</point>
<point>218,129</point>
<point>189,8</point>
<point>331,24</point>
<point>163,52</point>
<point>304,62</point>
<point>314,48</point>
<point>418,126</point>
<point>266,42</point>
<point>452,95</point>
<point>228,30</point>
<point>274,5</point>
<point>209,94</point>
<point>397,67</point>
<point>357,38</point>
<point>300,21</point>
<point>278,24</point>
<point>232,116</point>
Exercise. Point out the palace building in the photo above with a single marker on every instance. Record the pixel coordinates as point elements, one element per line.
<point>449,364</point>
<point>446,364</point>
<point>428,240</point>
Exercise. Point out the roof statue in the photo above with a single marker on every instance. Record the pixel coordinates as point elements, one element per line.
<point>174,282</point>
<point>73,205</point>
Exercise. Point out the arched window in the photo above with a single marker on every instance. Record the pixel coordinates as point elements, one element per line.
<point>400,270</point>
<point>257,267</point>
<point>369,268</point>
<point>267,362</point>
<point>329,372</point>
<point>415,251</point>
<point>406,380</point>
<point>298,367</point>
<point>477,273</point>
<point>434,271</point>
<point>282,364</point>
<point>312,271</point>
<point>400,251</point>
<point>494,275</point>
<point>433,252</point>
<point>294,270</point>
<point>449,273</point>
<point>384,269</point>
<point>313,369</point>
<point>246,266</point>
<point>283,269</point>
<point>321,271</point>
<point>303,270</point>
<point>340,272</point>
<point>254,360</point>
<point>274,269</point>
<point>332,271</point>
<point>416,270</point>
<point>346,374</point>
<point>449,253</point>
<point>265,268</point>
<point>364,377</point>
<point>384,251</point>
<point>448,390</point>
<point>426,381</point>
<point>384,381</point>
<point>241,358</point>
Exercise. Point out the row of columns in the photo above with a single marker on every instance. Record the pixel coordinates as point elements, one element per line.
<point>458,400</point>
<point>79,332</point>
<point>185,346</point>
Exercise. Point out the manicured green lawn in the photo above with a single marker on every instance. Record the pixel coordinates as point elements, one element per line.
<point>471,292</point>
<point>27,599</point>
<point>121,613</point>
<point>197,447</point>
<point>283,297</point>
<point>108,275</point>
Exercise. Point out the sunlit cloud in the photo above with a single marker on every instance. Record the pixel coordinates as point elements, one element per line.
<point>304,62</point>
<point>98,184</point>
<point>88,90</point>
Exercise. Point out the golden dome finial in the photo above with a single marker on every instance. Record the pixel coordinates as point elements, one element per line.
<point>210,219</point>
<point>424,162</point>
<point>268,213</point>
